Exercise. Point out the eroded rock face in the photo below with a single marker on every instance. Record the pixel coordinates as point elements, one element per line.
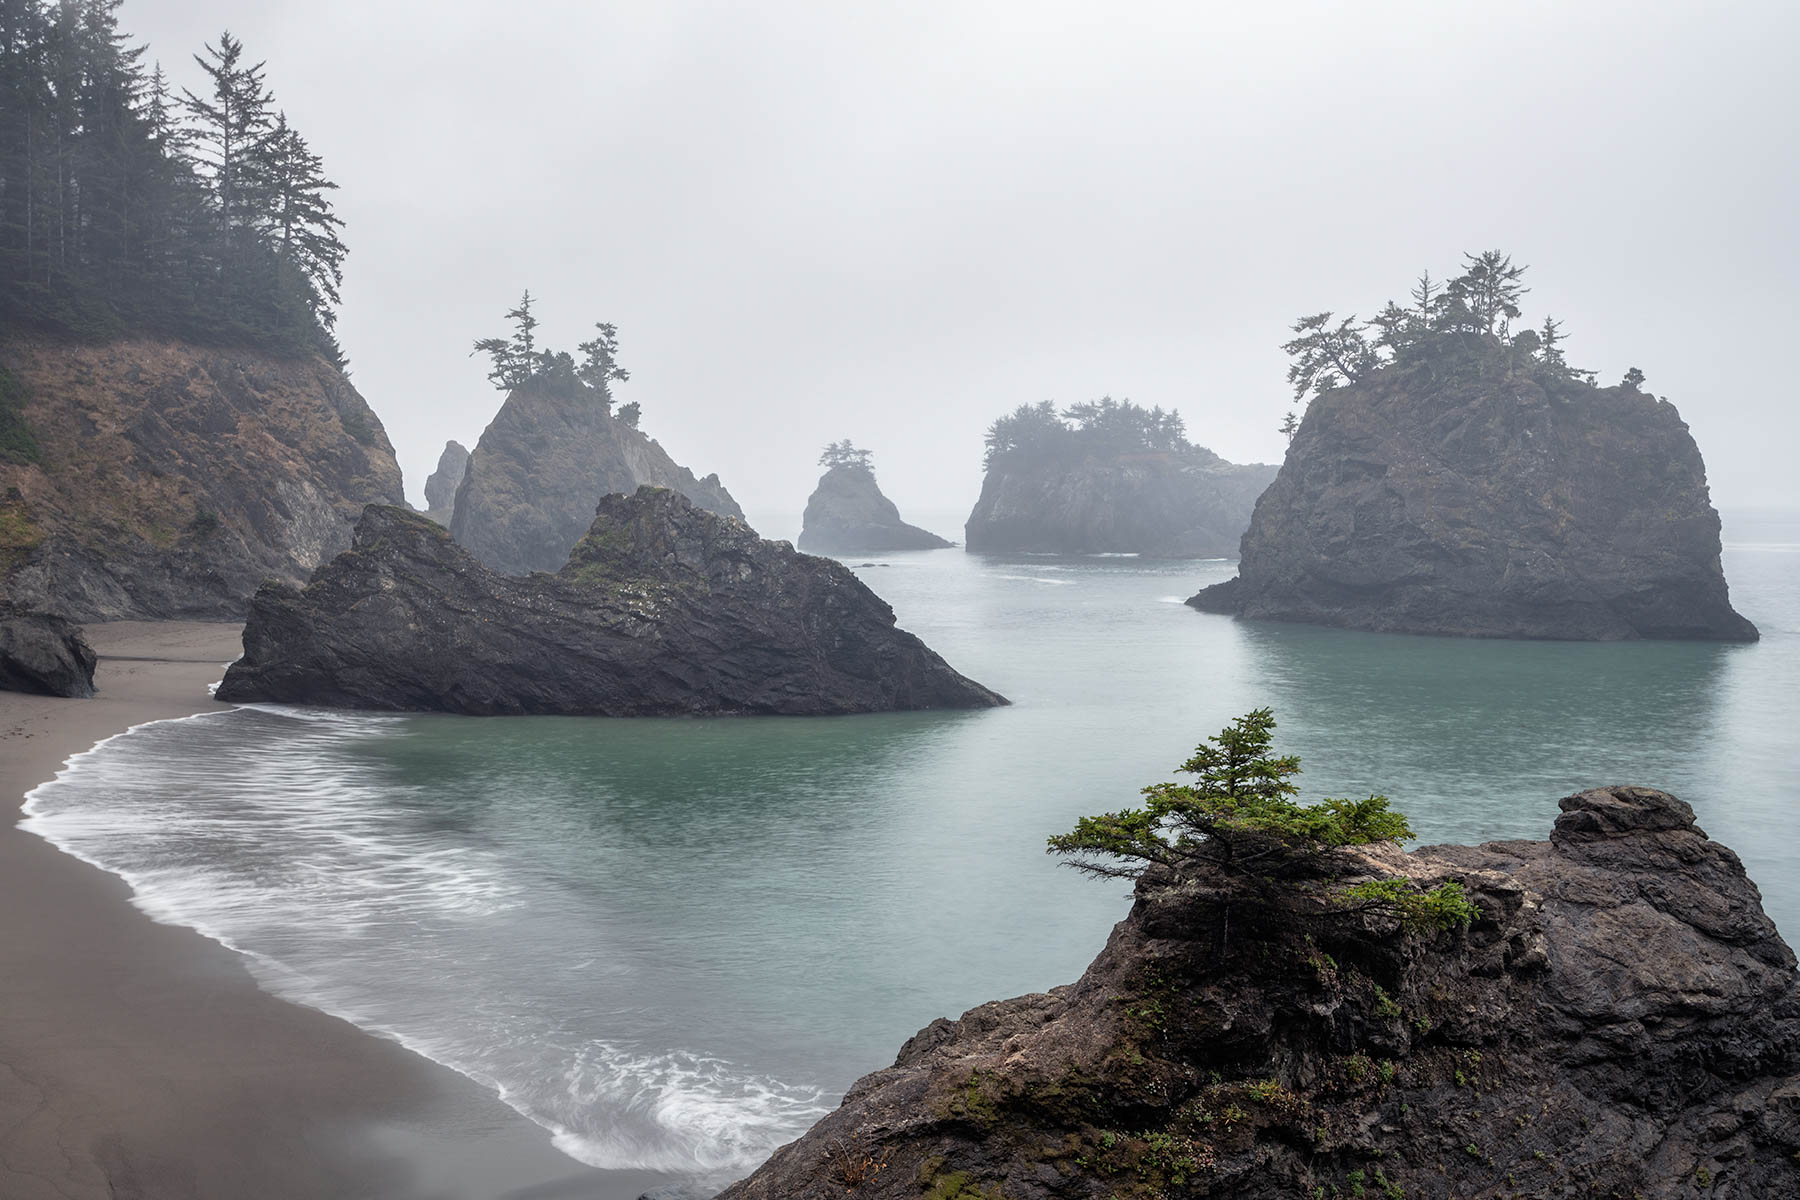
<point>173,479</point>
<point>440,488</point>
<point>847,514</point>
<point>664,608</point>
<point>544,462</point>
<point>1488,509</point>
<point>1622,1019</point>
<point>44,654</point>
<point>1189,504</point>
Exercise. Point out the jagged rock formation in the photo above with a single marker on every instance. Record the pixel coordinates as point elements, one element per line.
<point>440,488</point>
<point>1488,508</point>
<point>544,462</point>
<point>1621,1020</point>
<point>44,654</point>
<point>1166,504</point>
<point>663,608</point>
<point>847,514</point>
<point>168,480</point>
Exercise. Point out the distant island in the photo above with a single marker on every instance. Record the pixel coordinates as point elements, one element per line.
<point>527,492</point>
<point>663,608</point>
<point>1453,474</point>
<point>1108,476</point>
<point>847,514</point>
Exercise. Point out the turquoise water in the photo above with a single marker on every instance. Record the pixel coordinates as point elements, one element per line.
<point>676,942</point>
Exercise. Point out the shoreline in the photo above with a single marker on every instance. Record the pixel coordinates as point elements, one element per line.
<point>143,1060</point>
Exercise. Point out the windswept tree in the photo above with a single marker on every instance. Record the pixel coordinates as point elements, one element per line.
<point>844,454</point>
<point>513,359</point>
<point>1327,355</point>
<point>1488,292</point>
<point>1238,825</point>
<point>599,367</point>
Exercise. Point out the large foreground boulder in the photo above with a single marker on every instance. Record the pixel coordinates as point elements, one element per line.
<point>1184,503</point>
<point>1494,507</point>
<point>528,491</point>
<point>847,514</point>
<point>1621,1020</point>
<point>164,479</point>
<point>43,654</point>
<point>663,608</point>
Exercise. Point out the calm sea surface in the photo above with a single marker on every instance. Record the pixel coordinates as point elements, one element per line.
<point>675,943</point>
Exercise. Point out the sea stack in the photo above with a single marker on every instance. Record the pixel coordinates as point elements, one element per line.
<point>551,452</point>
<point>1108,477</point>
<point>847,514</point>
<point>664,608</point>
<point>153,478</point>
<point>1521,507</point>
<point>1521,1055</point>
<point>440,488</point>
<point>1454,474</point>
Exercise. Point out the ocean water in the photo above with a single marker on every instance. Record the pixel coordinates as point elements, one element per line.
<point>675,943</point>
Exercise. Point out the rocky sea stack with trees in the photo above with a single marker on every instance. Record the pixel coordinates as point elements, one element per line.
<point>1453,474</point>
<point>1294,1008</point>
<point>556,446</point>
<point>664,608</point>
<point>847,514</point>
<point>1108,476</point>
<point>175,421</point>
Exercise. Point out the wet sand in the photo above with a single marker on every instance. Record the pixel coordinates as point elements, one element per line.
<point>141,1061</point>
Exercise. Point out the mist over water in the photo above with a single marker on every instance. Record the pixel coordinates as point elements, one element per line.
<point>676,942</point>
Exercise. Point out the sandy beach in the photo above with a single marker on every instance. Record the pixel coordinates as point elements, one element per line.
<point>141,1061</point>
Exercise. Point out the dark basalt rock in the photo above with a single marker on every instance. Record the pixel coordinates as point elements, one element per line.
<point>440,487</point>
<point>1164,504</point>
<point>847,514</point>
<point>44,654</point>
<point>1506,508</point>
<point>552,451</point>
<point>664,608</point>
<point>1621,1020</point>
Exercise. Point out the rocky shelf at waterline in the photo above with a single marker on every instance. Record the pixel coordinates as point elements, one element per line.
<point>1513,508</point>
<point>664,608</point>
<point>1620,1019</point>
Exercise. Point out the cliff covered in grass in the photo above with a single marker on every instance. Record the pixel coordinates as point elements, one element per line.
<point>154,478</point>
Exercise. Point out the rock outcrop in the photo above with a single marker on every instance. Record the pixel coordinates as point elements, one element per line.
<point>664,608</point>
<point>440,488</point>
<point>169,480</point>
<point>1501,508</point>
<point>1621,1020</point>
<point>847,514</point>
<point>44,654</point>
<point>544,462</point>
<point>1164,504</point>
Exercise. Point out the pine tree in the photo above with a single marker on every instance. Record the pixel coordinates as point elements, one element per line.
<point>600,367</point>
<point>514,359</point>
<point>228,126</point>
<point>296,211</point>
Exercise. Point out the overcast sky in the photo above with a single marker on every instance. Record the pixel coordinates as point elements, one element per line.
<point>893,222</point>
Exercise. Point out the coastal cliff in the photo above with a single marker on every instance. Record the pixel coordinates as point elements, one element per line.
<point>147,478</point>
<point>847,514</point>
<point>1522,1055</point>
<point>1490,507</point>
<point>1187,503</point>
<point>663,608</point>
<point>551,452</point>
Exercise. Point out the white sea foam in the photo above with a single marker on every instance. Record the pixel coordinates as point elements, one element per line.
<point>1038,579</point>
<point>265,829</point>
